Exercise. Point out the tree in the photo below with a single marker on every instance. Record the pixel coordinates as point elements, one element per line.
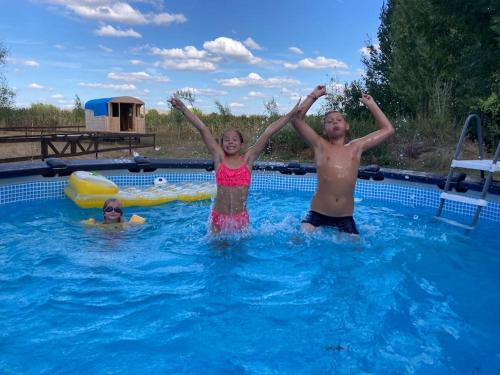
<point>271,109</point>
<point>224,111</point>
<point>347,101</point>
<point>187,95</point>
<point>6,94</point>
<point>436,57</point>
<point>78,111</point>
<point>378,64</point>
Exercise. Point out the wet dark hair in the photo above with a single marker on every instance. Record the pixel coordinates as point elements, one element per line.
<point>232,130</point>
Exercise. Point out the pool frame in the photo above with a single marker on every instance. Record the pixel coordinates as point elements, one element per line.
<point>28,188</point>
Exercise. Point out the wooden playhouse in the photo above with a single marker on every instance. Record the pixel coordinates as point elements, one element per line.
<point>118,114</point>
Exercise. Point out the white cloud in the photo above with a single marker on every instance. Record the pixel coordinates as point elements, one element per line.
<point>136,62</point>
<point>188,52</point>
<point>187,58</point>
<point>256,94</point>
<point>189,64</point>
<point>290,94</point>
<point>140,48</point>
<point>137,77</point>
<point>109,30</point>
<point>108,86</point>
<point>166,18</point>
<point>204,92</point>
<point>31,63</point>
<point>161,103</point>
<point>110,10</point>
<point>253,79</point>
<point>59,46</point>
<point>117,11</point>
<point>35,86</point>
<point>57,96</point>
<point>104,48</point>
<point>252,44</point>
<point>230,48</point>
<point>295,50</point>
<point>146,91</point>
<point>319,62</point>
<point>236,105</point>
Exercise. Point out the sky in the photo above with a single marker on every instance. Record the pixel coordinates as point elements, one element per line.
<point>239,52</point>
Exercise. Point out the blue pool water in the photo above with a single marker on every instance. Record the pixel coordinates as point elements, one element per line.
<point>411,297</point>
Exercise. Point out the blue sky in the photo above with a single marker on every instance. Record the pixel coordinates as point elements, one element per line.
<point>240,52</point>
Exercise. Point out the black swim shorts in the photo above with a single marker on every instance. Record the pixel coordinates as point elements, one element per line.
<point>343,223</point>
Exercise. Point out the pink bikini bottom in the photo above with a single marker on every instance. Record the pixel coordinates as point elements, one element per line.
<point>229,222</point>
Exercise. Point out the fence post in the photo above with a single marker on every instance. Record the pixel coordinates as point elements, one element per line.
<point>44,148</point>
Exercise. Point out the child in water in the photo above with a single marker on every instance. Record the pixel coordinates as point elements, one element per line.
<point>112,211</point>
<point>232,169</point>
<point>337,163</point>
<point>113,214</point>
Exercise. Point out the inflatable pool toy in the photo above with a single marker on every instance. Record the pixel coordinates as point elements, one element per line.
<point>160,181</point>
<point>91,190</point>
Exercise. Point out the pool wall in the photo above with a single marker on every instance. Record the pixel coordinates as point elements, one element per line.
<point>409,194</point>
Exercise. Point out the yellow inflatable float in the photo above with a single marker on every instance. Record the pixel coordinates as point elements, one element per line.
<point>91,190</point>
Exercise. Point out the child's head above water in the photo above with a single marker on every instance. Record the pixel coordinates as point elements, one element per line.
<point>231,141</point>
<point>112,211</point>
<point>335,125</point>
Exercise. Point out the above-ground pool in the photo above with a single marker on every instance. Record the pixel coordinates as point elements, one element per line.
<point>411,296</point>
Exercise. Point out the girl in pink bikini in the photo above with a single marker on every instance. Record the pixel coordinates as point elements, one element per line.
<point>233,170</point>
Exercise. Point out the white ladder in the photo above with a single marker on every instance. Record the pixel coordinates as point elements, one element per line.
<point>491,166</point>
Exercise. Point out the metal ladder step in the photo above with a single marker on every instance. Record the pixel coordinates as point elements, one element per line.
<point>484,165</point>
<point>454,223</point>
<point>464,199</point>
<point>480,165</point>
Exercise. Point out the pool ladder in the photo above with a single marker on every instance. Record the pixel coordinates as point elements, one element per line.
<point>481,164</point>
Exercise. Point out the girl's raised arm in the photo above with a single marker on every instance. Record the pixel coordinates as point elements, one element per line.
<point>205,132</point>
<point>253,152</point>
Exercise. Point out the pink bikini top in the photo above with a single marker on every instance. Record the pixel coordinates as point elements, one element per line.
<point>225,176</point>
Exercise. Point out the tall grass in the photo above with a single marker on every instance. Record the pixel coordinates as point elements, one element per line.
<point>421,142</point>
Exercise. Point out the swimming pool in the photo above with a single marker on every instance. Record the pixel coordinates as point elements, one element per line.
<point>413,296</point>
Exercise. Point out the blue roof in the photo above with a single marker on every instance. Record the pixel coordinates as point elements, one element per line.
<point>98,106</point>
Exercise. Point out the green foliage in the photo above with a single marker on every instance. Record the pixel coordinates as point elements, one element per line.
<point>6,94</point>
<point>186,95</point>
<point>271,109</point>
<point>38,115</point>
<point>78,111</point>
<point>154,119</point>
<point>347,102</point>
<point>435,57</point>
<point>224,111</point>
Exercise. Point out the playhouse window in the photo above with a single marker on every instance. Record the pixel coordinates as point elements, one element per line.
<point>115,110</point>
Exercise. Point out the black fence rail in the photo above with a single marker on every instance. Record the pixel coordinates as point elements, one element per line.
<point>77,144</point>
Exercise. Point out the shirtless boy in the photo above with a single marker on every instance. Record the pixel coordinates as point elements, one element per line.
<point>337,163</point>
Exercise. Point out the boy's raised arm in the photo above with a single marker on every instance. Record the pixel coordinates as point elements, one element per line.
<point>385,131</point>
<point>253,152</point>
<point>298,122</point>
<point>205,132</point>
